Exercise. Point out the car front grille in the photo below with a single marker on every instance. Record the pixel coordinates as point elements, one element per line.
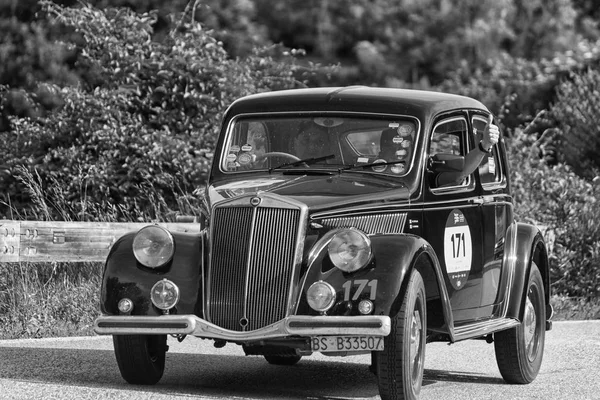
<point>252,264</point>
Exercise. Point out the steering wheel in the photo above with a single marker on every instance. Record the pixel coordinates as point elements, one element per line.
<point>264,157</point>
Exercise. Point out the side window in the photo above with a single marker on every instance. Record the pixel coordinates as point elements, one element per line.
<point>450,137</point>
<point>490,169</point>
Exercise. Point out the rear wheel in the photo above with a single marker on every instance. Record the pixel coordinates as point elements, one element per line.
<point>399,367</point>
<point>519,351</point>
<point>282,359</point>
<point>141,358</point>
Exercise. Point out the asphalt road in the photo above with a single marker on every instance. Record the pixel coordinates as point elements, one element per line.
<point>85,368</point>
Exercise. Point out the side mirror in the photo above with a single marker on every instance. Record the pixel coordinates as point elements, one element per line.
<point>445,163</point>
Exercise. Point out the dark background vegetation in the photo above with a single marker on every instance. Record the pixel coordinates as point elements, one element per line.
<point>109,109</point>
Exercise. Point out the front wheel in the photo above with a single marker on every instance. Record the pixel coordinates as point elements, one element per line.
<point>399,367</point>
<point>141,358</point>
<point>519,351</point>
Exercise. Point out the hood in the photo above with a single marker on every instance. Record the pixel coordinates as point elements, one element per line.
<point>317,192</point>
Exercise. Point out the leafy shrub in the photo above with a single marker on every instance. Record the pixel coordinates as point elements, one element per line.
<point>576,110</point>
<point>143,124</point>
<point>516,89</point>
<point>567,208</point>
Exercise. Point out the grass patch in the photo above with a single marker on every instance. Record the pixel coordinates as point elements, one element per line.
<point>48,300</point>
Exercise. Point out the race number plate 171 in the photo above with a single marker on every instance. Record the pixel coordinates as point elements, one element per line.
<point>325,344</point>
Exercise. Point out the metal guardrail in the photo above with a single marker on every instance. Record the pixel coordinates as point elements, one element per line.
<point>53,241</point>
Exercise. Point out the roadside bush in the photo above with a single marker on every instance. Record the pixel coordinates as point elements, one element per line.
<point>576,111</point>
<point>516,89</point>
<point>566,207</point>
<point>144,122</point>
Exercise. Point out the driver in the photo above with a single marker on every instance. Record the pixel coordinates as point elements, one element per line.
<point>311,141</point>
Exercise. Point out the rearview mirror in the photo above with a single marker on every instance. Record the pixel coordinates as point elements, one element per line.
<point>445,163</point>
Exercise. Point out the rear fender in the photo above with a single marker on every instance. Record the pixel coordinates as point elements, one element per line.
<point>124,276</point>
<point>526,245</point>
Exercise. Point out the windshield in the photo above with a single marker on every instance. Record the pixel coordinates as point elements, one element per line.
<point>323,142</point>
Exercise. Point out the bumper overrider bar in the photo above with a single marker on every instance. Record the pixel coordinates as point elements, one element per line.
<point>370,325</point>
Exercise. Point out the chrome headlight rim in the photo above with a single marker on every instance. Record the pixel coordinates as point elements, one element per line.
<point>162,289</point>
<point>363,256</point>
<point>140,246</point>
<point>326,306</point>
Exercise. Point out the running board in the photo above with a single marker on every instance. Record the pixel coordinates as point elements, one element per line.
<point>483,328</point>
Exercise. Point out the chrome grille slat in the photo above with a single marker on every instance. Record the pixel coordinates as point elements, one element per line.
<point>370,224</point>
<point>251,282</point>
<point>230,247</point>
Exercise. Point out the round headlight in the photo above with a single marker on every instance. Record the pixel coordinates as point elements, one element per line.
<point>164,294</point>
<point>153,246</point>
<point>320,296</point>
<point>350,250</point>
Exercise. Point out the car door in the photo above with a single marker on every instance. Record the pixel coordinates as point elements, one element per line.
<point>453,220</point>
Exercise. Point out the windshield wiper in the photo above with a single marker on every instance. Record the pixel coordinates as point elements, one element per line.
<point>306,161</point>
<point>369,165</point>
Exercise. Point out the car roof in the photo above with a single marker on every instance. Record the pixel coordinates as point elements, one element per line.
<point>418,103</point>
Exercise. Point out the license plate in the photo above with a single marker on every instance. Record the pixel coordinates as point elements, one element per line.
<point>326,344</point>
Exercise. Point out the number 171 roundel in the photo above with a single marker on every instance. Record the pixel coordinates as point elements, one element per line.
<point>458,249</point>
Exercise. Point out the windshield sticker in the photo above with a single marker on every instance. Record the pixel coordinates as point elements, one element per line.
<point>362,160</point>
<point>458,249</point>
<point>379,168</point>
<point>405,130</point>
<point>398,139</point>
<point>231,157</point>
<point>234,149</point>
<point>491,165</point>
<point>246,147</point>
<point>397,168</point>
<point>245,159</point>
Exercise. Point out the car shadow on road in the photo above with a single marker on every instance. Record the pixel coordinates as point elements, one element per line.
<point>432,376</point>
<point>220,376</point>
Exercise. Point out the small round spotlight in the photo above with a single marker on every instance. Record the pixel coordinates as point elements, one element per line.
<point>320,296</point>
<point>125,306</point>
<point>164,294</point>
<point>365,307</point>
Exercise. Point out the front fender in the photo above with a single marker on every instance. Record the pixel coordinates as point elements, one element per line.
<point>394,257</point>
<point>526,245</point>
<point>125,277</point>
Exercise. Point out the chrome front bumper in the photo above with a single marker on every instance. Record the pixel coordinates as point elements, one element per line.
<point>370,325</point>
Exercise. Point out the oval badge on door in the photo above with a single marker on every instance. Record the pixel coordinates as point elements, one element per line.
<point>458,249</point>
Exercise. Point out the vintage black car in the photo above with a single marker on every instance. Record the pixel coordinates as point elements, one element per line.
<point>328,231</point>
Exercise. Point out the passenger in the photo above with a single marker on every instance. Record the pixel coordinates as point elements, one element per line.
<point>490,137</point>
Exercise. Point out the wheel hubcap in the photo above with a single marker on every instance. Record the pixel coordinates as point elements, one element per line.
<point>530,328</point>
<point>416,328</point>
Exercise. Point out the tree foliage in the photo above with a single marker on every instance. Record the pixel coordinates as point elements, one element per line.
<point>576,110</point>
<point>148,114</point>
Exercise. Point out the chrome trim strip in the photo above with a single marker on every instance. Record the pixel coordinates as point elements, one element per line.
<point>251,250</point>
<point>371,224</point>
<point>511,262</point>
<point>483,328</point>
<point>372,325</point>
